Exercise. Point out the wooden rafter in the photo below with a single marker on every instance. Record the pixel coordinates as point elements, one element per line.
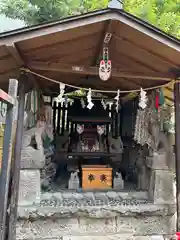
<point>132,58</point>
<point>94,71</point>
<point>14,72</point>
<point>71,43</point>
<point>5,97</point>
<point>107,29</point>
<point>58,26</point>
<point>149,53</point>
<point>16,55</point>
<point>14,51</point>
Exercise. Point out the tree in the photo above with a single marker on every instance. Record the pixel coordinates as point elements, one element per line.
<point>164,14</point>
<point>38,11</point>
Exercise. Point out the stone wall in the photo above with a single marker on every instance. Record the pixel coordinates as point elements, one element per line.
<point>85,216</point>
<point>117,228</point>
<point>32,160</point>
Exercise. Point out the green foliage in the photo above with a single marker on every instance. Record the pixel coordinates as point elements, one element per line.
<point>38,11</point>
<point>164,14</point>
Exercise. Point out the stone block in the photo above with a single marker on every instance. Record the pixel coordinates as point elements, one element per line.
<point>47,229</point>
<point>157,237</point>
<point>133,194</point>
<point>101,237</point>
<point>161,189</point>
<point>141,238</point>
<point>136,228</point>
<point>141,226</point>
<point>32,158</point>
<point>93,226</point>
<point>29,187</point>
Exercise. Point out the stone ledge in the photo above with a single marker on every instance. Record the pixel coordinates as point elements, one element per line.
<point>104,211</point>
<point>132,226</point>
<point>141,195</point>
<point>107,237</point>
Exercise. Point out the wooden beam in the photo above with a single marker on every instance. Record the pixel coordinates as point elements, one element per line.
<point>5,97</point>
<point>16,54</point>
<point>61,46</point>
<point>54,27</point>
<point>148,30</point>
<point>94,71</point>
<point>177,149</point>
<point>125,69</point>
<point>129,96</point>
<point>129,43</point>
<point>131,58</point>
<point>21,62</point>
<point>6,159</point>
<point>107,29</point>
<point>16,166</point>
<point>91,18</point>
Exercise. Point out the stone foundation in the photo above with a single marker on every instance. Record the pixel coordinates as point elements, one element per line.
<point>114,227</point>
<point>92,216</point>
<point>85,216</point>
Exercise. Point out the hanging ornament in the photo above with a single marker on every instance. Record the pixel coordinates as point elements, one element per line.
<point>117,100</point>
<point>89,99</point>
<point>110,105</point>
<point>66,100</point>
<point>143,99</point>
<point>62,90</point>
<point>159,99</point>
<point>103,104</point>
<point>105,66</point>
<point>100,129</point>
<point>82,103</point>
<point>80,128</point>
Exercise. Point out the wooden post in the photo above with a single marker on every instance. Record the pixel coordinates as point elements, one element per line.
<point>177,148</point>
<point>6,159</point>
<point>16,165</point>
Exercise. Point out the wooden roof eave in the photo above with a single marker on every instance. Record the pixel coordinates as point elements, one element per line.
<point>22,34</point>
<point>10,39</point>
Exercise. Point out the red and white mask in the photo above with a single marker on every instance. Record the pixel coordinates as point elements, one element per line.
<point>80,128</point>
<point>105,70</point>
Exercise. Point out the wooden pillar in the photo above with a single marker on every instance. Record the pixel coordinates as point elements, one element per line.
<point>177,148</point>
<point>6,159</point>
<point>16,165</point>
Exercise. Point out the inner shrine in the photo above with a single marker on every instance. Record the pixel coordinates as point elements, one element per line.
<point>94,153</point>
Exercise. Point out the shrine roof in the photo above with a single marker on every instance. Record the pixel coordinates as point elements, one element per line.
<point>141,55</point>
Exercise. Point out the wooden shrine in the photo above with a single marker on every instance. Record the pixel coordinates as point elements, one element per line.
<point>92,138</point>
<point>103,51</point>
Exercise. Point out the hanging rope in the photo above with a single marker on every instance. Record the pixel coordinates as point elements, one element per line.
<point>99,90</point>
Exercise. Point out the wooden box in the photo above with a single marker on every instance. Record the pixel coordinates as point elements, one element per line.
<point>96,177</point>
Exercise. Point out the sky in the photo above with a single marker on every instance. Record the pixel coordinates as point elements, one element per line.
<point>7,24</point>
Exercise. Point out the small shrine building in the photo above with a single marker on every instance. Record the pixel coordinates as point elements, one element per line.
<point>97,162</point>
